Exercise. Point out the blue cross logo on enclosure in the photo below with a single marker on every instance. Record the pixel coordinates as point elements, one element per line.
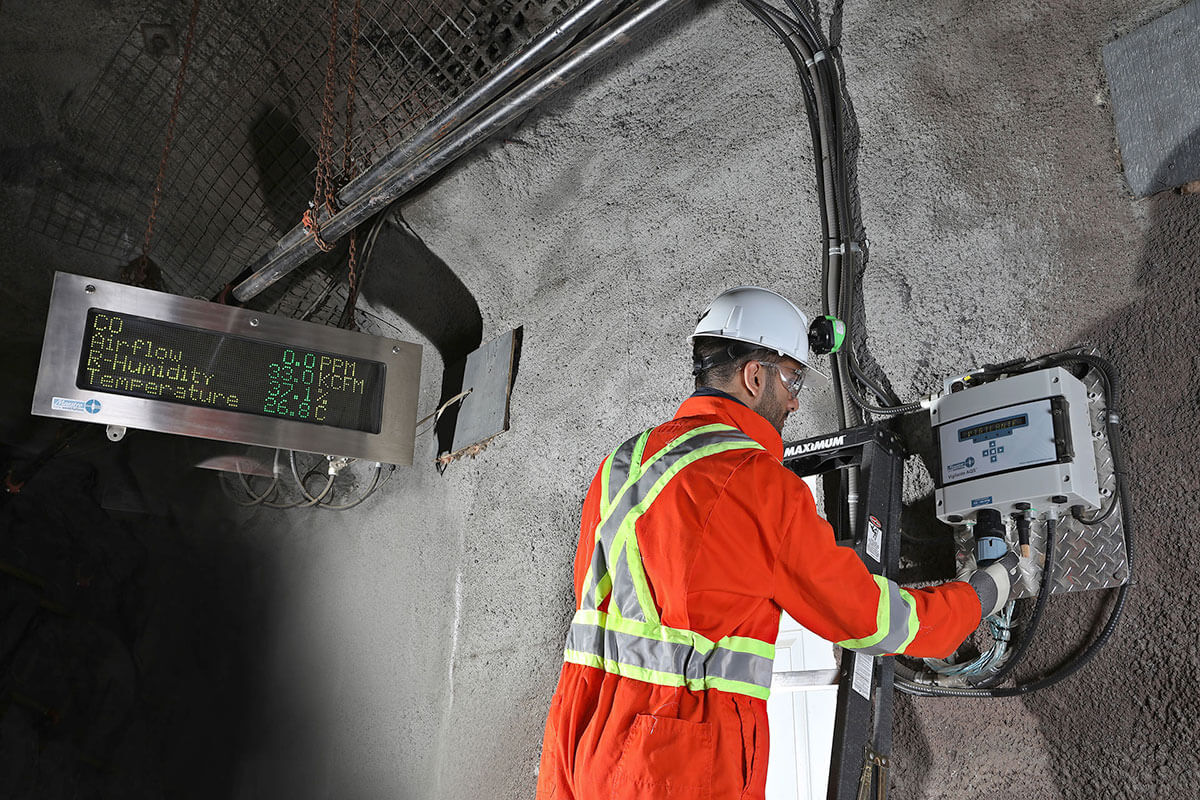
<point>84,407</point>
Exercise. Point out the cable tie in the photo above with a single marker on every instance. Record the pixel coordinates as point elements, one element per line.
<point>838,251</point>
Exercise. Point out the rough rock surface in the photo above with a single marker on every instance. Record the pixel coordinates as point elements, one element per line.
<point>409,648</point>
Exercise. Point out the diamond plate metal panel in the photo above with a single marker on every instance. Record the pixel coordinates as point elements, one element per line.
<point>1086,557</point>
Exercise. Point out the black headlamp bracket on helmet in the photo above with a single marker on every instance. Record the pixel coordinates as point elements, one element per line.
<point>733,351</point>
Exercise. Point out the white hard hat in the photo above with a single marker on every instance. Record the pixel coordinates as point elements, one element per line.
<point>762,318</point>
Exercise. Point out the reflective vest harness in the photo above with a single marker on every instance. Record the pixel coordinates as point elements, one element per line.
<point>629,638</point>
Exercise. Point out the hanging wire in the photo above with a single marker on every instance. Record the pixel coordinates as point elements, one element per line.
<point>140,271</point>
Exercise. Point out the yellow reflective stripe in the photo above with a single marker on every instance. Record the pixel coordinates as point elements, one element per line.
<point>738,687</point>
<point>589,579</point>
<point>744,644</point>
<point>602,589</point>
<point>637,469</point>
<point>605,471</point>
<point>913,623</point>
<point>665,678</point>
<point>635,460</point>
<point>625,534</point>
<point>681,439</point>
<point>627,670</point>
<point>881,619</point>
<point>703,646</point>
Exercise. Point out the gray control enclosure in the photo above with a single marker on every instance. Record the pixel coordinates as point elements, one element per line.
<point>1013,456</point>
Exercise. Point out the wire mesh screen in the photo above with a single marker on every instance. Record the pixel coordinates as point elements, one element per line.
<point>241,169</point>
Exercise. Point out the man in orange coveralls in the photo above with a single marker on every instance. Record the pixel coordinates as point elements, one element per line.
<point>694,536</point>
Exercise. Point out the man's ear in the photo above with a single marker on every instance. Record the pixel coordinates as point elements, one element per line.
<point>751,376</point>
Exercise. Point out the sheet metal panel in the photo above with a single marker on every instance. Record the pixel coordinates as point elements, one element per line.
<point>57,393</point>
<point>1154,81</point>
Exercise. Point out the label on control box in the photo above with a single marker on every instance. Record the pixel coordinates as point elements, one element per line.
<point>998,441</point>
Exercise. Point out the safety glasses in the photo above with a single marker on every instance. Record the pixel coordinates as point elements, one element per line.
<point>792,384</point>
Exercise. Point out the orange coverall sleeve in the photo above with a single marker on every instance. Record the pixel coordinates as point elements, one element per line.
<point>827,588</point>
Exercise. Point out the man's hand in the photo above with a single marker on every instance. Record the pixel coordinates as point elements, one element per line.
<point>994,582</point>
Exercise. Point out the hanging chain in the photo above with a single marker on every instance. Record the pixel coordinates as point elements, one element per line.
<point>323,190</point>
<point>349,168</point>
<point>140,271</point>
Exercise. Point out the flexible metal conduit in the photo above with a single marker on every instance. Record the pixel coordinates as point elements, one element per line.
<point>460,128</point>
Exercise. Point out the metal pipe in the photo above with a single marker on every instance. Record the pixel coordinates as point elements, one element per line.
<point>296,247</point>
<point>540,51</point>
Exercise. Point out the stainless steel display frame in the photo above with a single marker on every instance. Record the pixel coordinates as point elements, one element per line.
<point>74,295</point>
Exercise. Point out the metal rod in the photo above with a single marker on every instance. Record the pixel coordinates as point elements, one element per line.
<point>383,187</point>
<point>540,51</point>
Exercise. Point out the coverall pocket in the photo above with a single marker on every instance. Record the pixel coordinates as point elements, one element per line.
<point>666,759</point>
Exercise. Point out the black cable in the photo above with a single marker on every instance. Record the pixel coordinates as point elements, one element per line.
<point>821,81</point>
<point>1028,630</point>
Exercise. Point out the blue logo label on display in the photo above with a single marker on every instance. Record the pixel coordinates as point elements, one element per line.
<point>80,406</point>
<point>981,501</point>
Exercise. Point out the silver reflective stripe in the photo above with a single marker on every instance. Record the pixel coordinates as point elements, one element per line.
<point>746,667</point>
<point>638,651</point>
<point>619,468</point>
<point>624,587</point>
<point>670,658</point>
<point>897,622</point>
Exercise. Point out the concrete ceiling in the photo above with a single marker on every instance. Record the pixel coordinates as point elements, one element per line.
<point>409,648</point>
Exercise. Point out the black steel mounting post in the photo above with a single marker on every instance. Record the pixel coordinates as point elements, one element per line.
<point>862,733</point>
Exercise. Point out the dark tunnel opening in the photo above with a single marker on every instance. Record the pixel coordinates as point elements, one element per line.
<point>411,281</point>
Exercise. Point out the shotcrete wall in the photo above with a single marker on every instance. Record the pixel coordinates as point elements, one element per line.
<point>412,644</point>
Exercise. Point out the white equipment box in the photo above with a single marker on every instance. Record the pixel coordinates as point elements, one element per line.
<point>1025,439</point>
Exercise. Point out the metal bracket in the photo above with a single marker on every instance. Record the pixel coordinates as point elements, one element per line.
<point>862,732</point>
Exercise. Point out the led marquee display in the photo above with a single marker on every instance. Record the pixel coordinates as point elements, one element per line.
<point>139,357</point>
<point>131,358</point>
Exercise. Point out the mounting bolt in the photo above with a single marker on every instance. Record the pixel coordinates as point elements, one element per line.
<point>396,350</point>
<point>89,289</point>
<point>254,322</point>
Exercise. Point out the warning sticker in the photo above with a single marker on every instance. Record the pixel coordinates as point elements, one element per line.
<point>874,538</point>
<point>864,668</point>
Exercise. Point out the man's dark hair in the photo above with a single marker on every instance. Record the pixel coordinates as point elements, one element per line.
<point>716,360</point>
